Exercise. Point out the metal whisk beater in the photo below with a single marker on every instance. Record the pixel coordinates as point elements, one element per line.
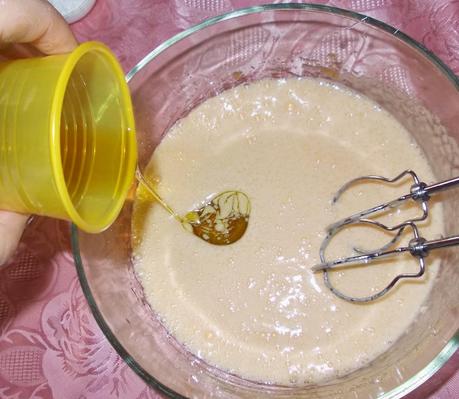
<point>418,246</point>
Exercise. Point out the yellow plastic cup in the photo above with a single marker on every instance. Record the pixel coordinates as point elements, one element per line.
<point>67,137</point>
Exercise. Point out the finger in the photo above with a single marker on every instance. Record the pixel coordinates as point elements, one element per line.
<point>35,22</point>
<point>17,51</point>
<point>11,228</point>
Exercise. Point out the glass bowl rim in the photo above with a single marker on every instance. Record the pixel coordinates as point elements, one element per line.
<point>398,392</point>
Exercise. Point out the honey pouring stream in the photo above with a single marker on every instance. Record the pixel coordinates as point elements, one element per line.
<point>221,220</point>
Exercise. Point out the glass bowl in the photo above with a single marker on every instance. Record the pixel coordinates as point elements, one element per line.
<point>280,41</point>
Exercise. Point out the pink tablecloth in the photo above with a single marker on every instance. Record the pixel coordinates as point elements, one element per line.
<point>50,344</point>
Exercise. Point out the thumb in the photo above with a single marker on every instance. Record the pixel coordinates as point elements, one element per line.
<point>11,227</point>
<point>35,22</point>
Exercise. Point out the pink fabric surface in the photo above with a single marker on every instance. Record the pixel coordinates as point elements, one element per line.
<point>50,344</point>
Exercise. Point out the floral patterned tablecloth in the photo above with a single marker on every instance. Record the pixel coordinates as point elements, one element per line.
<point>50,344</point>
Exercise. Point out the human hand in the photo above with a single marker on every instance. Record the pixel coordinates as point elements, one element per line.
<point>37,23</point>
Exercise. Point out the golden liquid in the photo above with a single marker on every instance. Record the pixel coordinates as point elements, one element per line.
<point>222,220</point>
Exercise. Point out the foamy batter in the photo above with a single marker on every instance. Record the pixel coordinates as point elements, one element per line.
<point>254,308</point>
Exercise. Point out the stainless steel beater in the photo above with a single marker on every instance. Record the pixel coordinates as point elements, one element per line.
<point>418,246</point>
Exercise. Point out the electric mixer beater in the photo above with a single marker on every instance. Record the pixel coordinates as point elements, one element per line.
<point>418,246</point>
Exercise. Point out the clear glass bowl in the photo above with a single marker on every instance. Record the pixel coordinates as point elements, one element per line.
<point>280,41</point>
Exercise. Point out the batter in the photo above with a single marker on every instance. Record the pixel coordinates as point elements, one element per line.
<point>254,308</point>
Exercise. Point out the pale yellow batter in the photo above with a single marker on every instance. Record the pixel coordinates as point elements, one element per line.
<point>254,308</point>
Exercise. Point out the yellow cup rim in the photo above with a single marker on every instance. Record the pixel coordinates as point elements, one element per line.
<point>55,145</point>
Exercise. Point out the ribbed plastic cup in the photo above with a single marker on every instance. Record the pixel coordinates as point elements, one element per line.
<point>67,137</point>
